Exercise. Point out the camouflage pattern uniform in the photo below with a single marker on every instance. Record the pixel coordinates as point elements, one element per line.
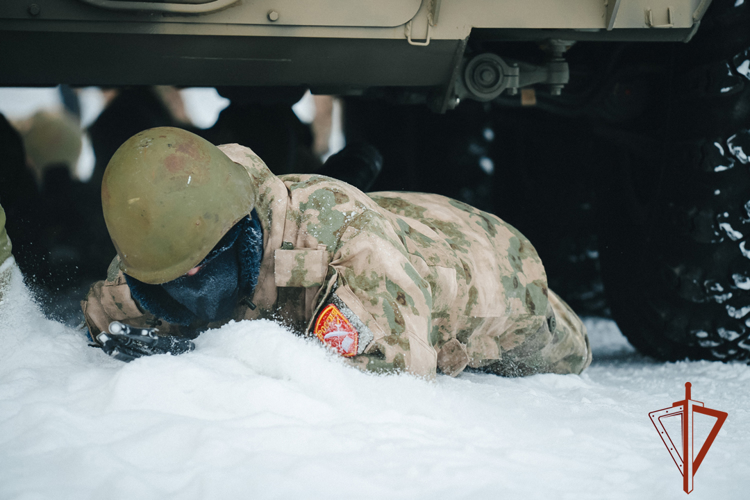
<point>6,258</point>
<point>429,283</point>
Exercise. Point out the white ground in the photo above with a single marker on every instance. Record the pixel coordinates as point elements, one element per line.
<point>256,412</point>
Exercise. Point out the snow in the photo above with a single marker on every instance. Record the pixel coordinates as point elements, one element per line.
<point>257,412</point>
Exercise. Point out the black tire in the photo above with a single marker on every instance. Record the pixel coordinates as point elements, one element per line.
<point>677,273</point>
<point>675,224</point>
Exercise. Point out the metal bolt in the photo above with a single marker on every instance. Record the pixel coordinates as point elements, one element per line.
<point>34,9</point>
<point>273,16</point>
<point>487,76</point>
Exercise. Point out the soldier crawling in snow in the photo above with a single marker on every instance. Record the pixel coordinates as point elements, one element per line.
<point>391,281</point>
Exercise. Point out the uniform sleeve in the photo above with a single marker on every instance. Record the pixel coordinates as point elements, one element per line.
<point>388,302</point>
<point>110,300</point>
<point>5,246</point>
<point>5,256</point>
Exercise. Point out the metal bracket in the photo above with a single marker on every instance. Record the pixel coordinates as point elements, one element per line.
<point>433,8</point>
<point>485,76</point>
<point>186,7</point>
<point>650,19</point>
<point>407,31</point>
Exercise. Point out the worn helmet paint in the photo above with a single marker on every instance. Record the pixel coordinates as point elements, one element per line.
<point>168,198</point>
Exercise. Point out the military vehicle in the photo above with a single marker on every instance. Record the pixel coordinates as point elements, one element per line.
<point>342,47</point>
<point>624,121</point>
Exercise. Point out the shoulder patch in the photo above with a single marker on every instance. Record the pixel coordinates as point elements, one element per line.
<point>339,328</point>
<point>334,330</point>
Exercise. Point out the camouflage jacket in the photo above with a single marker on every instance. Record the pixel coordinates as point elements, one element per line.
<point>6,258</point>
<point>392,281</point>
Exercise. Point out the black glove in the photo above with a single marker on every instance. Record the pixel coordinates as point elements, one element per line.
<point>126,342</point>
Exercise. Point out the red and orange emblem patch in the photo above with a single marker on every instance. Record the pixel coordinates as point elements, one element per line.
<point>335,331</point>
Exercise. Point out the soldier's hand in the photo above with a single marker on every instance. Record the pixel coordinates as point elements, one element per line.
<point>126,342</point>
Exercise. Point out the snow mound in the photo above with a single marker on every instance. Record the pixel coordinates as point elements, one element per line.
<point>257,412</point>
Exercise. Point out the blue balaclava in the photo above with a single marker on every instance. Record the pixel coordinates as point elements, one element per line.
<point>211,293</point>
<point>228,273</point>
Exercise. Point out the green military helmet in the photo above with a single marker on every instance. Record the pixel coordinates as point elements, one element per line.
<point>52,138</point>
<point>169,196</point>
